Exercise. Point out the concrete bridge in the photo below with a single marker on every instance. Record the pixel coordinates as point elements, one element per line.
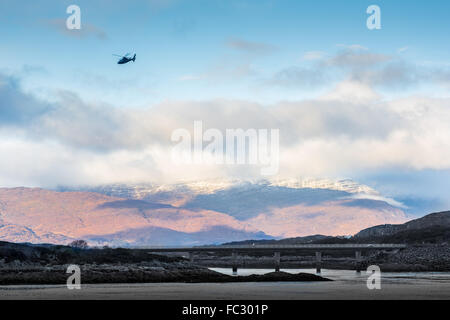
<point>276,250</point>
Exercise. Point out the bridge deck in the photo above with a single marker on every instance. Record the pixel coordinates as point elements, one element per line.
<point>312,247</point>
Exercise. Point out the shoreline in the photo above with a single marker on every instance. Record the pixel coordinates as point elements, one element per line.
<point>386,267</point>
<point>96,275</point>
<point>403,289</point>
<point>39,265</point>
<point>138,274</point>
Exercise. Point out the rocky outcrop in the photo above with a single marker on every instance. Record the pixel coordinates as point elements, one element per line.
<point>414,258</point>
<point>434,220</point>
<point>379,231</point>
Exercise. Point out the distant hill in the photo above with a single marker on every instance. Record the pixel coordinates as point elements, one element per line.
<point>287,241</point>
<point>439,219</point>
<point>44,216</point>
<point>431,229</point>
<point>58,254</point>
<point>281,209</point>
<point>191,214</point>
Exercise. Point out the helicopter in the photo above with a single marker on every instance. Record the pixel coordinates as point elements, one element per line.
<point>125,59</point>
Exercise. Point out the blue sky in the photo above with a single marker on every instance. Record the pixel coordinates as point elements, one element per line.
<point>370,105</point>
<point>178,40</point>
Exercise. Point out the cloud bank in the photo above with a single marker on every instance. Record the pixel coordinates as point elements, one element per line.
<point>351,127</point>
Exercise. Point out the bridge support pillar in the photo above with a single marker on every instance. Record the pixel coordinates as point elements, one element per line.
<point>235,263</point>
<point>318,262</point>
<point>191,257</point>
<point>358,257</point>
<point>277,258</point>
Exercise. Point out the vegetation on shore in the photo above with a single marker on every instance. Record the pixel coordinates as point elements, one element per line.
<point>47,264</point>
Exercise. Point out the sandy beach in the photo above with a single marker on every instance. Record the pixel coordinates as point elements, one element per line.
<point>347,285</point>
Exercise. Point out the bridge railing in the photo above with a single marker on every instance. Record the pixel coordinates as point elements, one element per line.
<point>283,247</point>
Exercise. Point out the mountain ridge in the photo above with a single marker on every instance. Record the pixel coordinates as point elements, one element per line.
<point>437,219</point>
<point>433,228</point>
<point>241,211</point>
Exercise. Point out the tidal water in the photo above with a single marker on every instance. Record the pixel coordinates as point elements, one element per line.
<point>347,284</point>
<point>353,276</point>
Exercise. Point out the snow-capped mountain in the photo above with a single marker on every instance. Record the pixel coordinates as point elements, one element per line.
<point>143,191</point>
<point>193,213</point>
<point>282,208</point>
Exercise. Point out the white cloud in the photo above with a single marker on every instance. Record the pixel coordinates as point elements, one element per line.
<point>299,77</point>
<point>190,77</point>
<point>358,65</point>
<point>353,46</point>
<point>356,59</point>
<point>87,29</point>
<point>350,128</point>
<point>313,55</point>
<point>250,46</point>
<point>352,91</point>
